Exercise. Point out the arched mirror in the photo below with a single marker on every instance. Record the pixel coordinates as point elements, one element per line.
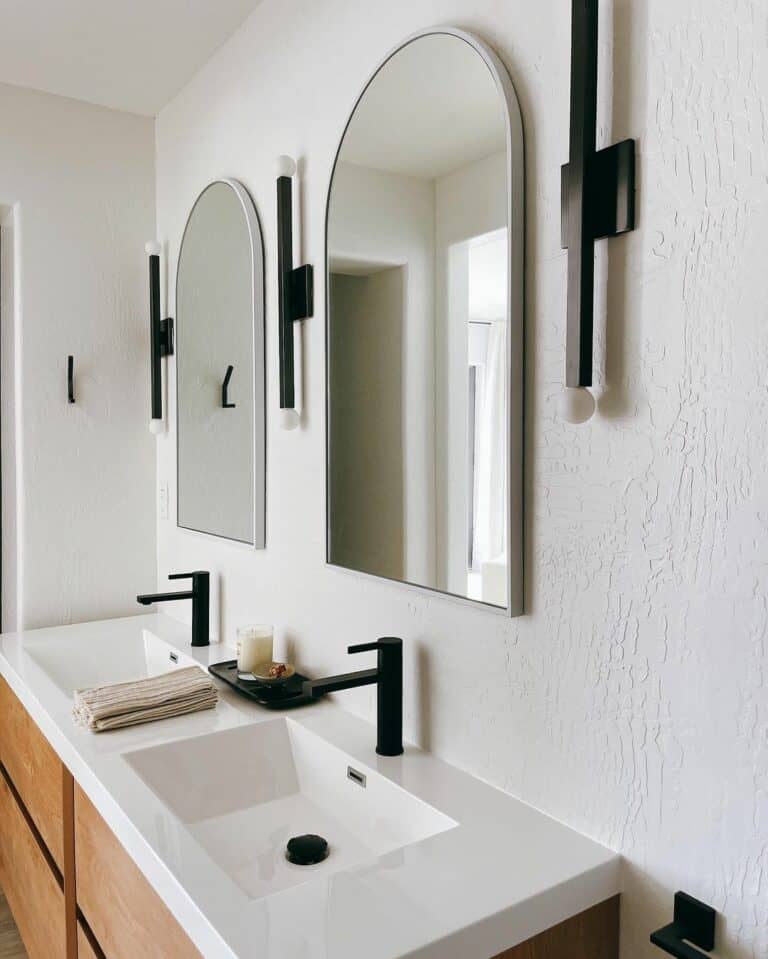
<point>220,367</point>
<point>424,252</point>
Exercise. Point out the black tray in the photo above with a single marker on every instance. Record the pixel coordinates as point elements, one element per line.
<point>280,696</point>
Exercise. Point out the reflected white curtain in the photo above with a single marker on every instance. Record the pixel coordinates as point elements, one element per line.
<point>491,464</point>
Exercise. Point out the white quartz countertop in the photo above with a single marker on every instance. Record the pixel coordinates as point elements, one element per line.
<point>504,873</point>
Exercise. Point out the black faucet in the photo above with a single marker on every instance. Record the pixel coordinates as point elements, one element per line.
<point>388,677</point>
<point>200,595</point>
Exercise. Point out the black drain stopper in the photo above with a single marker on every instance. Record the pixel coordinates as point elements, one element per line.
<point>306,850</point>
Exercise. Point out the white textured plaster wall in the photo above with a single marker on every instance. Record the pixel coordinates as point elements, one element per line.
<point>632,699</point>
<point>80,181</point>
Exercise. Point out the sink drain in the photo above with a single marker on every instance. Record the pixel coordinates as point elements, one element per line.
<point>306,850</point>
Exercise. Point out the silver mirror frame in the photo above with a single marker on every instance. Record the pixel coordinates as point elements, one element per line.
<point>259,366</point>
<point>516,319</point>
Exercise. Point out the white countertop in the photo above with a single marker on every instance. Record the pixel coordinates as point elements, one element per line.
<point>504,873</point>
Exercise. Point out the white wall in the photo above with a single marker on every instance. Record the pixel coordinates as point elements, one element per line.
<point>80,182</point>
<point>631,700</point>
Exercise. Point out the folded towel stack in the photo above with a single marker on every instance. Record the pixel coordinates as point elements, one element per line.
<point>128,704</point>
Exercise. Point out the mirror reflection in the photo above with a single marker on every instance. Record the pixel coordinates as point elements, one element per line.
<point>220,367</point>
<point>419,327</point>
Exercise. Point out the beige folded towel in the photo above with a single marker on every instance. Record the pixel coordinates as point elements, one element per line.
<point>143,700</point>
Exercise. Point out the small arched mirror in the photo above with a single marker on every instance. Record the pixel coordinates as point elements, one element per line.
<point>220,367</point>
<point>425,326</point>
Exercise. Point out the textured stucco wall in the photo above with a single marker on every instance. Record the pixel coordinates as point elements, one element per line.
<point>80,182</point>
<point>631,700</point>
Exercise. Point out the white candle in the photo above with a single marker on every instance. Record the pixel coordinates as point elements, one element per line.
<point>254,647</point>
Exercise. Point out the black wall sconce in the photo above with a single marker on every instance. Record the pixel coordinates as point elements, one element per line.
<point>693,921</point>
<point>70,379</point>
<point>598,200</point>
<point>295,293</point>
<point>160,338</point>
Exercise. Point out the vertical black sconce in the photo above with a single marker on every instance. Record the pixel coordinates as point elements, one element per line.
<point>295,291</point>
<point>693,922</point>
<point>598,200</point>
<point>70,379</point>
<point>225,389</point>
<point>160,338</point>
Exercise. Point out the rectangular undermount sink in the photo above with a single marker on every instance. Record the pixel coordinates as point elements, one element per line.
<point>81,663</point>
<point>243,793</point>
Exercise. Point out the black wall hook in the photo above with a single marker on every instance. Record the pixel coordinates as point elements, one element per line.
<point>70,379</point>
<point>225,389</point>
<point>295,285</point>
<point>598,193</point>
<point>693,921</point>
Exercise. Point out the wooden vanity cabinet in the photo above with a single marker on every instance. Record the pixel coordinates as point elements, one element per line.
<point>85,948</point>
<point>35,770</point>
<point>125,914</point>
<point>592,934</point>
<point>31,886</point>
<point>75,893</point>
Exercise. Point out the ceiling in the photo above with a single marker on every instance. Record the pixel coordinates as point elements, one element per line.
<point>132,55</point>
<point>432,109</point>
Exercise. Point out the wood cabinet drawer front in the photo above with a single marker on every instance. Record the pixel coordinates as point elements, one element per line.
<point>84,948</point>
<point>35,770</point>
<point>593,934</point>
<point>36,901</point>
<point>125,914</point>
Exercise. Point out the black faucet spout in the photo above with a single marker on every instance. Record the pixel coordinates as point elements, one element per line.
<point>200,594</point>
<point>148,598</point>
<point>334,684</point>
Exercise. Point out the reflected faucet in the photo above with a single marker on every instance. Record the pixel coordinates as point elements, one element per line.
<point>199,594</point>
<point>388,677</point>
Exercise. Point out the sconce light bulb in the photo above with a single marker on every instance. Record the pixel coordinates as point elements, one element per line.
<point>156,426</point>
<point>576,404</point>
<point>289,419</point>
<point>286,166</point>
<point>152,248</point>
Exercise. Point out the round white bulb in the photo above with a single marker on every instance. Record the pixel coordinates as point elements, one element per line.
<point>576,404</point>
<point>152,248</point>
<point>286,166</point>
<point>289,419</point>
<point>157,426</point>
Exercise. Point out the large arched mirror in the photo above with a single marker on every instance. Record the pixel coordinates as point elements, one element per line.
<point>424,254</point>
<point>220,367</point>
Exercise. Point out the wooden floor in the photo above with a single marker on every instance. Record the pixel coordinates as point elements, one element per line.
<point>10,944</point>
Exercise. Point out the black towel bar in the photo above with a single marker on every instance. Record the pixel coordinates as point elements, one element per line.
<point>693,921</point>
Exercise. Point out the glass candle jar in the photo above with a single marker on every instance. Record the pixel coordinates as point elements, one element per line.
<point>254,647</point>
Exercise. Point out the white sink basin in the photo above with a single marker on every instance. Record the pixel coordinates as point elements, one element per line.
<point>80,663</point>
<point>243,793</point>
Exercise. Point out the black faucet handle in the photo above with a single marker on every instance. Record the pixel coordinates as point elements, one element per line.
<point>197,572</point>
<point>383,643</point>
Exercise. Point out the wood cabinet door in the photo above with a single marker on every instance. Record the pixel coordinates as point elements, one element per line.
<point>34,769</point>
<point>29,884</point>
<point>125,914</point>
<point>84,948</point>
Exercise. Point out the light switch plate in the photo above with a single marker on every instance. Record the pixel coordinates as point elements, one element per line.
<point>163,500</point>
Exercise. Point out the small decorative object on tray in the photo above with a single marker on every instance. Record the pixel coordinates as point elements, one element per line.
<point>270,673</point>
